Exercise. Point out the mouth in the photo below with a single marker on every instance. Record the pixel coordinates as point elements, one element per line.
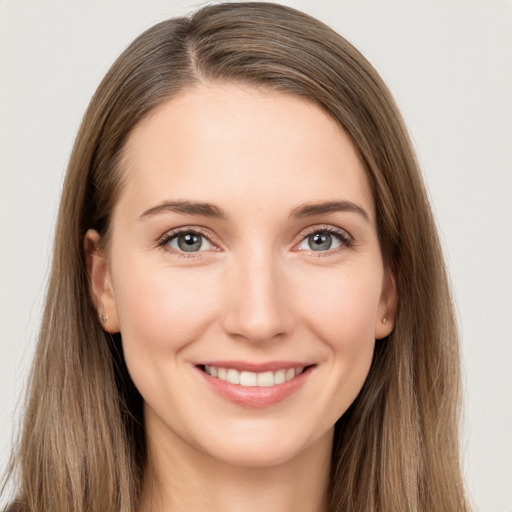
<point>254,379</point>
<point>253,386</point>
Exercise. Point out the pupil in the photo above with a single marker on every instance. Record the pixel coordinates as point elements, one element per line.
<point>320,241</point>
<point>189,242</point>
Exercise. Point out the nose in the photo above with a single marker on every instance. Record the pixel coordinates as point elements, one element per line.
<point>258,306</point>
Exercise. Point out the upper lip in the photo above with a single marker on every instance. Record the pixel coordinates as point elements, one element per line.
<point>268,366</point>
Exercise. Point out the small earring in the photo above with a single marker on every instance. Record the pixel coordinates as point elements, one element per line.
<point>104,317</point>
<point>384,320</point>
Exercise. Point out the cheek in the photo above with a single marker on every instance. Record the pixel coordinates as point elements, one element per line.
<point>341,311</point>
<point>341,306</point>
<point>162,310</point>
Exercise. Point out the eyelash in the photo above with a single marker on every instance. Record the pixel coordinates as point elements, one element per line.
<point>345,239</point>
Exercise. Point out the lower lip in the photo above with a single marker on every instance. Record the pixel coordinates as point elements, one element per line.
<point>256,396</point>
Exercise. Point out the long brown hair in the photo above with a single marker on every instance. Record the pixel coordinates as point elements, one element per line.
<point>82,447</point>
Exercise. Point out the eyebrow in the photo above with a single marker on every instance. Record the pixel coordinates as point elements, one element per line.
<point>321,208</point>
<point>213,211</point>
<point>186,207</point>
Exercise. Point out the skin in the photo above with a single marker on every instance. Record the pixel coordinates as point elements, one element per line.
<point>256,291</point>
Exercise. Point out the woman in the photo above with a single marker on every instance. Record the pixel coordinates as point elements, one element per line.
<point>248,308</point>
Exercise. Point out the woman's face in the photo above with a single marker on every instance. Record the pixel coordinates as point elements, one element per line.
<point>244,247</point>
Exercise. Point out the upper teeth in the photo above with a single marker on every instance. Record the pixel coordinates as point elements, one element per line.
<point>252,378</point>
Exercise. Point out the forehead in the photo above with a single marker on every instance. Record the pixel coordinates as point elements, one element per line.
<point>234,144</point>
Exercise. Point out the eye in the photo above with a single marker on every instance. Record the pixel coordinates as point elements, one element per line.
<point>325,239</point>
<point>186,241</point>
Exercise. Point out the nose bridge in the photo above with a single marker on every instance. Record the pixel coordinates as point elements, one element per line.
<point>258,307</point>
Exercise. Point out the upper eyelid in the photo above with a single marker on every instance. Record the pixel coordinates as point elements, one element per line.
<point>186,229</point>
<point>324,227</point>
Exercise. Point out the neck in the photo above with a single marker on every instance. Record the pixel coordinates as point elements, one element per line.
<point>180,478</point>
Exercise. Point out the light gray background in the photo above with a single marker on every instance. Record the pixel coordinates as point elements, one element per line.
<point>449,67</point>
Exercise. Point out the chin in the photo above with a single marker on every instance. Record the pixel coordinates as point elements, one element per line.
<point>247,456</point>
<point>265,447</point>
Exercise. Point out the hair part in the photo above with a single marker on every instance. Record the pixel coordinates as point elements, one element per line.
<point>82,447</point>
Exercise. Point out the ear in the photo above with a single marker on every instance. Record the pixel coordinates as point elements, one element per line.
<point>386,312</point>
<point>100,283</point>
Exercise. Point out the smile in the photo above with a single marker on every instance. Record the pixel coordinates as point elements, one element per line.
<point>250,379</point>
<point>253,385</point>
